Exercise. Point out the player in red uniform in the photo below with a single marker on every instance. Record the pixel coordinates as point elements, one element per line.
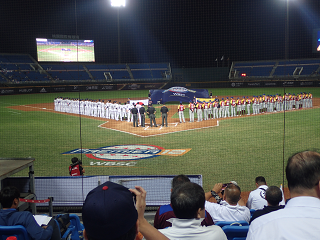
<point>181,113</point>
<point>191,111</point>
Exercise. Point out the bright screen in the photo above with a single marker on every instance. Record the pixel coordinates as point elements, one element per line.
<point>65,50</point>
<point>316,41</point>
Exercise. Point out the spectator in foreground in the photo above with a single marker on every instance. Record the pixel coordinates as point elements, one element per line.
<point>300,218</point>
<point>188,201</point>
<point>257,198</point>
<point>109,212</point>
<point>273,197</point>
<point>231,208</point>
<point>165,212</point>
<point>10,216</point>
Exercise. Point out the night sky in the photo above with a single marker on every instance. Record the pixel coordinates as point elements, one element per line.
<point>184,33</point>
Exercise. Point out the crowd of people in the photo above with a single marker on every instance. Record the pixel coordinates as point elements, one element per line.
<point>95,108</point>
<point>199,110</point>
<point>232,107</point>
<point>112,211</point>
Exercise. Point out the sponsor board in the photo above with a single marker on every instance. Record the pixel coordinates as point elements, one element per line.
<point>126,155</point>
<point>11,91</point>
<point>306,83</point>
<point>25,90</point>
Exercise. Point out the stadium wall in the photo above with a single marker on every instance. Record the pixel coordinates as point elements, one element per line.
<point>18,89</point>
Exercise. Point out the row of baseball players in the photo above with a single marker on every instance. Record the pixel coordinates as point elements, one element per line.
<point>216,108</point>
<point>95,108</point>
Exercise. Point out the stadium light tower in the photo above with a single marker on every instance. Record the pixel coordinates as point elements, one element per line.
<point>118,4</point>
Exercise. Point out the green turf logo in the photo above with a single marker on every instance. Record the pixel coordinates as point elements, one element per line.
<point>127,152</point>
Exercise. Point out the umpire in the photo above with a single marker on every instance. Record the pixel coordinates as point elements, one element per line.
<point>152,111</point>
<point>143,117</point>
<point>134,112</point>
<point>164,114</point>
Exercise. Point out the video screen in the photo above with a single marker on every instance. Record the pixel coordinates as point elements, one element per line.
<point>65,50</point>
<point>316,41</point>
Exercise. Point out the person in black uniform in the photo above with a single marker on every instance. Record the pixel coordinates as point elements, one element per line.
<point>143,117</point>
<point>164,114</point>
<point>152,111</point>
<point>134,112</point>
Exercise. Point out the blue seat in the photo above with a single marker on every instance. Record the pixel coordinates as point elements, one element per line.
<point>77,234</point>
<point>75,229</point>
<point>18,231</point>
<point>231,223</point>
<point>235,231</point>
<point>240,238</point>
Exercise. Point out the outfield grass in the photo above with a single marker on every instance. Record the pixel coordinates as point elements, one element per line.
<point>239,149</point>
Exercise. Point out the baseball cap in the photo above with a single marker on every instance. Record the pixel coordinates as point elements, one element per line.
<point>109,211</point>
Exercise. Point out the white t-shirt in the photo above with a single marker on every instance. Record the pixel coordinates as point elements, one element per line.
<point>300,219</point>
<point>191,229</point>
<point>256,199</point>
<point>226,212</point>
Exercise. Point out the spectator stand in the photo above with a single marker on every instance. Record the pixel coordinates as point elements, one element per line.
<point>275,69</point>
<point>20,68</point>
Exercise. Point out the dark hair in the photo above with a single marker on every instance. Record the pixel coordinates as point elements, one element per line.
<point>179,179</point>
<point>129,235</point>
<point>74,159</point>
<point>261,180</point>
<point>303,170</point>
<point>232,193</point>
<point>273,195</point>
<point>186,199</point>
<point>8,194</point>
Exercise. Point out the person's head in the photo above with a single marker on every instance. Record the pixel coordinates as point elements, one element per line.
<point>303,173</point>
<point>273,196</point>
<point>232,194</point>
<point>109,213</point>
<point>74,160</point>
<point>178,180</point>
<point>9,197</point>
<point>260,181</point>
<point>188,201</point>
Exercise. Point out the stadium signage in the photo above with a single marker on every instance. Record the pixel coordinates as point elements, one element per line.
<point>132,152</point>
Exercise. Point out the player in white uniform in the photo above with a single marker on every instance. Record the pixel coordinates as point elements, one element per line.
<point>99,108</point>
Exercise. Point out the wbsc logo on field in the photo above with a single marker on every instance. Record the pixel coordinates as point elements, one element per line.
<point>128,152</point>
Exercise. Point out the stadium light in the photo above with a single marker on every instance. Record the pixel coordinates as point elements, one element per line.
<point>118,4</point>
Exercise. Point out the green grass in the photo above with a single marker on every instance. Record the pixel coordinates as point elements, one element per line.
<point>239,149</point>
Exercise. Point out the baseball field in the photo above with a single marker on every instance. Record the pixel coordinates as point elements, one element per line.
<point>65,53</point>
<point>238,148</point>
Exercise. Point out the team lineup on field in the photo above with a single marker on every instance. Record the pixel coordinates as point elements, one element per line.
<point>201,109</point>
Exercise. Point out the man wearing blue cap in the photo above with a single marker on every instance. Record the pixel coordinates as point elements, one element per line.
<point>109,212</point>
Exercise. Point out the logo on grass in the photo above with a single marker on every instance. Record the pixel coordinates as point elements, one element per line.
<point>128,152</point>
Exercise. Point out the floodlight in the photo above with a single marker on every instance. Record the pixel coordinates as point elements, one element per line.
<point>118,3</point>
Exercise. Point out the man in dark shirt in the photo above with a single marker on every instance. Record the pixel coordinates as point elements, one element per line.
<point>134,112</point>
<point>165,212</point>
<point>273,197</point>
<point>143,117</point>
<point>164,114</point>
<point>152,111</point>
